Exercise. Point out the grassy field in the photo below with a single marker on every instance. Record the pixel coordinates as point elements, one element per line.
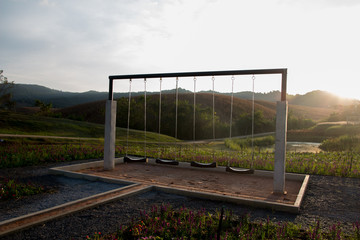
<point>86,142</point>
<point>15,123</point>
<point>322,132</point>
<point>16,152</point>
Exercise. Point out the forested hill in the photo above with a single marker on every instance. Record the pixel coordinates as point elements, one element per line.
<point>242,110</point>
<point>320,99</point>
<point>27,94</point>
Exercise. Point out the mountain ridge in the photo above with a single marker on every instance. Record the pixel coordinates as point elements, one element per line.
<point>25,95</point>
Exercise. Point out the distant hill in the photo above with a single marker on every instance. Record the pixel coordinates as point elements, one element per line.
<point>317,98</point>
<point>272,96</point>
<point>320,99</point>
<point>95,112</point>
<point>25,95</point>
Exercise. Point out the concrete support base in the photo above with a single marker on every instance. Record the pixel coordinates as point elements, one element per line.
<point>280,147</point>
<point>110,133</point>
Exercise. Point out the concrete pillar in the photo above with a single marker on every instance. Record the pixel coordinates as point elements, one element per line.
<point>280,147</point>
<point>110,133</point>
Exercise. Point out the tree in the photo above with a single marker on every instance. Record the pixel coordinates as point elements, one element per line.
<point>243,124</point>
<point>295,122</point>
<point>5,95</point>
<point>44,108</point>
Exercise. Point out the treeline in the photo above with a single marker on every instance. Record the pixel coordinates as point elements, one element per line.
<point>241,123</point>
<point>264,120</point>
<point>264,117</point>
<point>294,122</point>
<point>347,113</point>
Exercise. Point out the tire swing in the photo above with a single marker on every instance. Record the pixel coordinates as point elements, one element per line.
<point>135,159</point>
<point>194,163</point>
<point>158,159</point>
<point>244,170</point>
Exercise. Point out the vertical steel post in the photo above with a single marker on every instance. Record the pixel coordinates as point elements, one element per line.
<point>110,130</point>
<point>111,95</point>
<point>280,139</point>
<point>283,85</point>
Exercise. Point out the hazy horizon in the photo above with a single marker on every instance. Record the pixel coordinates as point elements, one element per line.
<point>190,90</point>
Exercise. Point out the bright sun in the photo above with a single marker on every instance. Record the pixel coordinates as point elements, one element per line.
<point>347,93</point>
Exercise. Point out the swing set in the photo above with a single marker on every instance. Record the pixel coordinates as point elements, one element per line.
<point>279,167</point>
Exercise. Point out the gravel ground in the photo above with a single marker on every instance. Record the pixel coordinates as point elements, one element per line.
<point>328,199</point>
<point>59,190</point>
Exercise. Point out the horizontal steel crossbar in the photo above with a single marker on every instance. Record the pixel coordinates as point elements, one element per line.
<point>282,71</point>
<point>200,74</point>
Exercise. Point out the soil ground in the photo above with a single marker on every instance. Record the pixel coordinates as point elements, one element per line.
<point>248,186</point>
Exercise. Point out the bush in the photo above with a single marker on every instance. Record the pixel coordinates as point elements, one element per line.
<point>10,189</point>
<point>299,123</point>
<point>342,143</point>
<point>239,144</point>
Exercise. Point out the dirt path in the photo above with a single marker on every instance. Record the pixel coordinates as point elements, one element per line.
<point>43,136</point>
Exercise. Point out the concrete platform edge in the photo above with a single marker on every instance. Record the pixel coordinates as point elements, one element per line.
<point>302,191</point>
<point>139,191</point>
<point>230,199</point>
<point>295,208</point>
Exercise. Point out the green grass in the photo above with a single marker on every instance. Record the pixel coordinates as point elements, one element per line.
<point>323,132</point>
<point>344,164</point>
<point>336,130</point>
<point>240,144</point>
<point>15,123</point>
<point>17,152</point>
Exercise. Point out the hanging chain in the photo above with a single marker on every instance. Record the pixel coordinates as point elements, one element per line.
<point>231,104</point>
<point>128,122</point>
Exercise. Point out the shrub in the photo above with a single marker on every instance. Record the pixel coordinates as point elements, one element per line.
<point>10,189</point>
<point>342,143</point>
<point>239,144</point>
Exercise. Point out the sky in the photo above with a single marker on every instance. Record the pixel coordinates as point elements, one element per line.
<point>74,45</point>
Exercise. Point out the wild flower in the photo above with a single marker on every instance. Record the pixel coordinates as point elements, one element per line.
<point>164,222</point>
<point>11,189</point>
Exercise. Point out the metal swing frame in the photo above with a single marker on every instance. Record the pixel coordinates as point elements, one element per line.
<point>281,119</point>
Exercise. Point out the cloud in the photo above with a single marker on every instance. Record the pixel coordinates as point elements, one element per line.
<point>75,45</point>
<point>58,37</point>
